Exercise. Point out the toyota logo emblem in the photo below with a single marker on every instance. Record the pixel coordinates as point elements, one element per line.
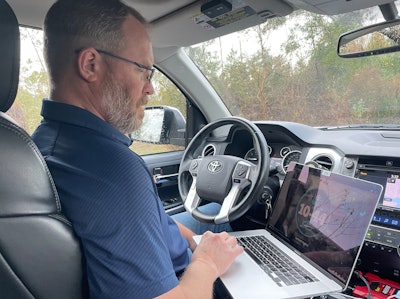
<point>214,166</point>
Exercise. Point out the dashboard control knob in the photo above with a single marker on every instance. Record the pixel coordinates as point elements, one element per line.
<point>349,164</point>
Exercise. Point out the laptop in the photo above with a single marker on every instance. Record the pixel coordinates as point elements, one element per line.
<point>318,222</point>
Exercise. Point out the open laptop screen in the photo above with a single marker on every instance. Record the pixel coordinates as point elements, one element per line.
<point>325,216</point>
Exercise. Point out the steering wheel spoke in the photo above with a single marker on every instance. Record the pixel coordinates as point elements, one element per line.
<point>253,173</point>
<point>192,200</point>
<point>230,200</point>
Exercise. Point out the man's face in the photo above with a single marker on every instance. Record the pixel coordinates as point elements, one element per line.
<point>125,87</point>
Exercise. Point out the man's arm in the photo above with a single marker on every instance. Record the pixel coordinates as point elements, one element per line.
<point>187,234</point>
<point>212,257</point>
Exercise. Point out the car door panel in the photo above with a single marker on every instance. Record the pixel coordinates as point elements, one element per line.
<point>165,167</point>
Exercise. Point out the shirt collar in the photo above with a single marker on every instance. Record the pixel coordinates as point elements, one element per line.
<point>77,116</point>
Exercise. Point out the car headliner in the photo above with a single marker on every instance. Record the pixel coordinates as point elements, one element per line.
<point>172,24</point>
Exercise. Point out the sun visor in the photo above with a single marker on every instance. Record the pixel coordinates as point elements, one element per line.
<point>203,21</point>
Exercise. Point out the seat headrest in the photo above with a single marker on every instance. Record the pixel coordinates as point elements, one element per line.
<point>9,56</point>
<point>26,186</point>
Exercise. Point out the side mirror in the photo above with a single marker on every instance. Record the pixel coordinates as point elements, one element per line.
<point>371,40</point>
<point>162,125</point>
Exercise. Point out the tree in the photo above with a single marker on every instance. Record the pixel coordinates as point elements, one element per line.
<point>33,84</point>
<point>167,94</point>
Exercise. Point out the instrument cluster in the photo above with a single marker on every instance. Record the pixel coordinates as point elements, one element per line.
<point>281,156</point>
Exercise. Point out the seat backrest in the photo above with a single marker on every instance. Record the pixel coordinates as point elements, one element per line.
<point>39,255</point>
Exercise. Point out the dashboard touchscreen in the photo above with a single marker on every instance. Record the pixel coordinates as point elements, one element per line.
<point>391,197</point>
<point>388,211</point>
<point>391,183</point>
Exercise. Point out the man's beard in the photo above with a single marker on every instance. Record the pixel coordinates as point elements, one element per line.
<point>116,104</point>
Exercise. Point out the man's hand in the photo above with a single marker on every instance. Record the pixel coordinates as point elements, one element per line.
<point>211,258</point>
<point>217,251</point>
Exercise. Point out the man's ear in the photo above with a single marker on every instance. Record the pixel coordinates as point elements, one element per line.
<point>89,64</point>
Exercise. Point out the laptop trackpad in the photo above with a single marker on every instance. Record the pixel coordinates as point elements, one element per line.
<point>244,281</point>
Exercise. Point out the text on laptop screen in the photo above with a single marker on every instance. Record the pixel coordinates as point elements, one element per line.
<point>324,216</point>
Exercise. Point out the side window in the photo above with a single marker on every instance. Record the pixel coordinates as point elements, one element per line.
<point>163,128</point>
<point>164,124</point>
<point>33,84</point>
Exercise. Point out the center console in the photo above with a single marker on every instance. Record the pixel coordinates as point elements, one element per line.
<point>380,254</point>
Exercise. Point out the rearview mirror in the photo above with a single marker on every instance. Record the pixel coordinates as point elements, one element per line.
<point>161,125</point>
<point>371,40</point>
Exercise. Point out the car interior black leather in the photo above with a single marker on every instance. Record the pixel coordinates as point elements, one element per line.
<point>39,255</point>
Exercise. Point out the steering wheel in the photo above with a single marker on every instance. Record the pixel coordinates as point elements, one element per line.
<point>222,178</point>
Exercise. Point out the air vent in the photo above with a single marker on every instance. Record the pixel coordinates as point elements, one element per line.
<point>324,161</point>
<point>209,150</point>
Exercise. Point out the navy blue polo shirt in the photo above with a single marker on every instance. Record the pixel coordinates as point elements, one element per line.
<point>132,247</point>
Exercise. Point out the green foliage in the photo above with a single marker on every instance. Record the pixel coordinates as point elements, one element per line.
<point>209,58</point>
<point>359,108</point>
<point>306,81</point>
<point>33,85</point>
<point>167,94</point>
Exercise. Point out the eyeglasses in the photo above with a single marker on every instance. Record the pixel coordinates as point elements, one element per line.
<point>139,65</point>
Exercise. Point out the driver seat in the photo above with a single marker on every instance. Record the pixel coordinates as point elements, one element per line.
<point>40,257</point>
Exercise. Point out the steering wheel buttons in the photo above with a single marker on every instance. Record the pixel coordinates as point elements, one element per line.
<point>241,171</point>
<point>194,167</point>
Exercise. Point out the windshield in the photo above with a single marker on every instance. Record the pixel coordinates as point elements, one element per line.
<point>287,69</point>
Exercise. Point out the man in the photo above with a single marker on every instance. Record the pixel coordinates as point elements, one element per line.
<point>99,58</point>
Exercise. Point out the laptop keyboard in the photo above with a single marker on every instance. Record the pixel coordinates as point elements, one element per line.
<point>281,268</point>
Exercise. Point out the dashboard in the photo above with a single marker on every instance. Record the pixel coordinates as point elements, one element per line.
<point>293,142</point>
<point>339,150</point>
<point>362,153</point>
